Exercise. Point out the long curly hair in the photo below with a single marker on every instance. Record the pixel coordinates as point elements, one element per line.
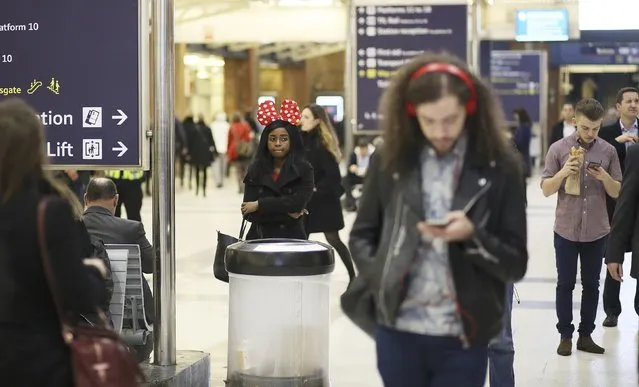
<point>403,138</point>
<point>327,134</point>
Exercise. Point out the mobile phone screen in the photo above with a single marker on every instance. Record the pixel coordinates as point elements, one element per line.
<point>437,222</point>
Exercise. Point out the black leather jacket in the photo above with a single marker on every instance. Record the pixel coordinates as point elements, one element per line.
<point>384,241</point>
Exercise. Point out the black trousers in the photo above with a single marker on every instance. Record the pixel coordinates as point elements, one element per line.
<point>349,182</point>
<point>611,302</point>
<point>131,197</point>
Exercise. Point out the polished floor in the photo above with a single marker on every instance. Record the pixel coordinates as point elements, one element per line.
<point>202,310</point>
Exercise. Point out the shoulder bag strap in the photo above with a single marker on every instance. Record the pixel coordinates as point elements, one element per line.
<point>242,229</point>
<point>67,330</point>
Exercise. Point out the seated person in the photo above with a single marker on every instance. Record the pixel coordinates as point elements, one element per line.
<point>279,181</point>
<point>357,167</point>
<point>101,199</point>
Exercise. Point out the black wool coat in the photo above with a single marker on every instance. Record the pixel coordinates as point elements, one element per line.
<point>324,209</point>
<point>276,199</point>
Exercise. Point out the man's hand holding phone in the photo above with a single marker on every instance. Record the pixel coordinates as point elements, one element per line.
<point>455,227</point>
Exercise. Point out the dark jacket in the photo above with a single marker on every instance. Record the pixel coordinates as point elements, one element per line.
<point>112,230</point>
<point>609,133</point>
<point>33,352</point>
<point>325,209</point>
<point>624,233</point>
<point>384,241</point>
<point>522,138</point>
<point>202,146</point>
<point>556,133</point>
<point>277,198</point>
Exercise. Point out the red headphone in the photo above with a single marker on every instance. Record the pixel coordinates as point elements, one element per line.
<point>447,68</point>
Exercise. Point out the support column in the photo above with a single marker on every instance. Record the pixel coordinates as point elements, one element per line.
<point>181,102</point>
<point>253,79</point>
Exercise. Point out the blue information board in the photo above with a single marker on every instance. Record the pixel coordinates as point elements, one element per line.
<point>543,25</point>
<point>516,78</point>
<point>78,63</point>
<point>389,36</point>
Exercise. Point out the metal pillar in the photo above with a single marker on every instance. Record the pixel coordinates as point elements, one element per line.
<point>164,183</point>
<point>350,72</point>
<point>475,30</point>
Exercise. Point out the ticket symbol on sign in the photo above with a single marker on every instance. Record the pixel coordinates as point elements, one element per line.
<point>91,117</point>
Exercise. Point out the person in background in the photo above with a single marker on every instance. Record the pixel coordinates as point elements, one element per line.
<point>357,168</point>
<point>192,137</point>
<point>325,210</point>
<point>441,226</point>
<point>129,185</point>
<point>279,181</point>
<point>621,134</point>
<point>220,130</point>
<point>181,150</point>
<point>624,234</point>
<point>240,139</point>
<point>522,137</point>
<point>581,221</point>
<point>203,153</point>
<point>33,351</point>
<point>102,198</point>
<point>612,116</point>
<point>566,126</point>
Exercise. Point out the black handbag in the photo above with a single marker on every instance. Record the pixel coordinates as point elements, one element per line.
<point>224,241</point>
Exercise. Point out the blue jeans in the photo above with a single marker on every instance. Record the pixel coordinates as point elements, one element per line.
<point>411,360</point>
<point>501,351</point>
<point>591,256</point>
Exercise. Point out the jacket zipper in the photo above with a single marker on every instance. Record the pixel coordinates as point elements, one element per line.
<point>464,338</point>
<point>398,230</point>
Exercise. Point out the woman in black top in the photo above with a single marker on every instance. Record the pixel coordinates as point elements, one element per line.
<point>279,182</point>
<point>325,210</point>
<point>33,352</point>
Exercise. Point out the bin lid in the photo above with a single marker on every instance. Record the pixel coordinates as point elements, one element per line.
<point>279,257</point>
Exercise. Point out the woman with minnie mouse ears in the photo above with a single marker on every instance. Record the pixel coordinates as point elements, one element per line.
<point>279,182</point>
<point>441,228</point>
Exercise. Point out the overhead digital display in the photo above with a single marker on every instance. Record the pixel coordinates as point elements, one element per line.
<point>546,25</point>
<point>78,63</point>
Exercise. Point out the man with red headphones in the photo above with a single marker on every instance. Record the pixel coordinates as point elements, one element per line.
<point>439,233</point>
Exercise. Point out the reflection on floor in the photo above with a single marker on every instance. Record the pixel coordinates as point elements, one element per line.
<point>202,305</point>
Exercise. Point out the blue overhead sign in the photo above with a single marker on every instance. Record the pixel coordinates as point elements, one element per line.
<point>547,25</point>
<point>516,77</point>
<point>388,36</point>
<point>79,64</point>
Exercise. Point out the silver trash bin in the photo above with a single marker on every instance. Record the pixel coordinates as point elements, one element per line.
<point>279,313</point>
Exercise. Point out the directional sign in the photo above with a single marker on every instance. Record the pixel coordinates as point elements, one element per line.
<point>388,36</point>
<point>516,76</point>
<point>79,63</point>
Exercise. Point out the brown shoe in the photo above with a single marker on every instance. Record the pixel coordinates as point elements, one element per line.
<point>585,343</point>
<point>565,347</point>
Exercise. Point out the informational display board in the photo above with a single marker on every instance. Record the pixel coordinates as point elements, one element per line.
<point>79,64</point>
<point>542,25</point>
<point>388,36</point>
<point>517,77</point>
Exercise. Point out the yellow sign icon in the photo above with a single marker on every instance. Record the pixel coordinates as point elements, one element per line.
<point>54,86</point>
<point>35,85</point>
<point>371,73</point>
<point>362,73</point>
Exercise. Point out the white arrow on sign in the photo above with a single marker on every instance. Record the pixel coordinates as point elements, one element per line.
<point>121,116</point>
<point>122,149</point>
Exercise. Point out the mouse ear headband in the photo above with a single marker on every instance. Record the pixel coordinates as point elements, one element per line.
<point>289,112</point>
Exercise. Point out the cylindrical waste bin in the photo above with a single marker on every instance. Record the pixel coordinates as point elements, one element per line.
<point>279,313</point>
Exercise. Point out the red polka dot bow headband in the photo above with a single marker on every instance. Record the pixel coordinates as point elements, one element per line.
<point>289,111</point>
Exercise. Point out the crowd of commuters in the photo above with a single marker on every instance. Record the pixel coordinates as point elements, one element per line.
<point>437,243</point>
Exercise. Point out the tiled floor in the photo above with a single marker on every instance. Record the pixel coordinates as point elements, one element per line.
<point>202,305</point>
